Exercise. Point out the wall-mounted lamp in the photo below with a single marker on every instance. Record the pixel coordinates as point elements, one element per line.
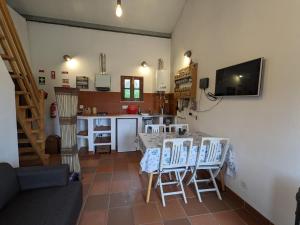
<point>67,58</point>
<point>71,62</point>
<point>188,54</point>
<point>119,11</point>
<point>144,68</point>
<point>144,64</point>
<point>188,57</point>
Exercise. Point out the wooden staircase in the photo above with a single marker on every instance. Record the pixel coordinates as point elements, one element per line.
<point>29,99</point>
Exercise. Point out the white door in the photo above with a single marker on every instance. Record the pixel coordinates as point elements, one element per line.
<point>126,134</point>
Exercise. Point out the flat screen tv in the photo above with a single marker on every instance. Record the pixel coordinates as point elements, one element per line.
<point>240,80</point>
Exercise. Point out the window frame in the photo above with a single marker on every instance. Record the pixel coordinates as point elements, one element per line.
<point>141,88</point>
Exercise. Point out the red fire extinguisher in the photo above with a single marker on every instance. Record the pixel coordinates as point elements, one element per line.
<point>53,110</point>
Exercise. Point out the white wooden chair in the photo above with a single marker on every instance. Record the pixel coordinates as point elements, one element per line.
<point>155,128</point>
<point>211,156</point>
<point>174,157</point>
<point>176,127</point>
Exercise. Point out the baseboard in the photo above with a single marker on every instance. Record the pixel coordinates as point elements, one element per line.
<point>261,219</point>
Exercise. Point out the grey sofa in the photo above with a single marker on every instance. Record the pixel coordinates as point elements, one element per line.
<point>38,196</point>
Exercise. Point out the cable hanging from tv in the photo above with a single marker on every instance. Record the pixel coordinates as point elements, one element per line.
<point>210,96</point>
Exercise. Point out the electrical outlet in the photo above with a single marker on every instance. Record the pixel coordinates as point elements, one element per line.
<point>124,106</point>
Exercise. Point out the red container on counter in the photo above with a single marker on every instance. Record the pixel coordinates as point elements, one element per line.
<point>132,109</point>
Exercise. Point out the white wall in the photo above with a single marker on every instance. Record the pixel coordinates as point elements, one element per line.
<point>8,129</point>
<point>124,54</point>
<point>22,30</point>
<point>264,130</point>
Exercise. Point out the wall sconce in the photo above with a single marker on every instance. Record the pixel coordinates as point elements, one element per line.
<point>144,64</point>
<point>119,10</point>
<point>67,58</point>
<point>188,57</point>
<point>144,68</point>
<point>71,62</point>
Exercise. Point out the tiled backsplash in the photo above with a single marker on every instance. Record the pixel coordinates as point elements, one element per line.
<point>111,102</point>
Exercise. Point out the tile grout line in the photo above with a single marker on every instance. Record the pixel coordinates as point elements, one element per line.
<point>109,192</point>
<point>87,195</point>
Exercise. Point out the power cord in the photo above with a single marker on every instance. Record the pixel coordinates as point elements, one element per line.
<point>211,97</point>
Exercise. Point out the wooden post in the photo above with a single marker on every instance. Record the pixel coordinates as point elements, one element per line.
<point>42,119</point>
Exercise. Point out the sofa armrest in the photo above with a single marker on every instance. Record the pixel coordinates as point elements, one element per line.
<point>42,176</point>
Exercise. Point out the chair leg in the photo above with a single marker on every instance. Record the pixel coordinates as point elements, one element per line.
<point>197,189</point>
<point>170,176</point>
<point>162,192</point>
<point>158,180</point>
<point>181,186</point>
<point>215,184</point>
<point>194,174</point>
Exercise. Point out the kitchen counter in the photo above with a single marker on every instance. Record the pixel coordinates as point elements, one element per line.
<point>88,128</point>
<point>124,115</point>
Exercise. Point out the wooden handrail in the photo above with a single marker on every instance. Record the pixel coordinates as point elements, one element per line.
<point>21,67</point>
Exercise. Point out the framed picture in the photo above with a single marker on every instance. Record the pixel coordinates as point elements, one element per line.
<point>42,80</point>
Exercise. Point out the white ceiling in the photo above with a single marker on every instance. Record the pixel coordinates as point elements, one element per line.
<point>150,15</point>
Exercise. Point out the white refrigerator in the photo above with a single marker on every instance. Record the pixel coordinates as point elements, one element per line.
<point>126,131</point>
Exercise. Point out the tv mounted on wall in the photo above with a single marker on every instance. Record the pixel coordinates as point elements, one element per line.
<point>243,79</point>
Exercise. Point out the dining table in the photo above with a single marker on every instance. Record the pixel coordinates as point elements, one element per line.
<point>150,144</point>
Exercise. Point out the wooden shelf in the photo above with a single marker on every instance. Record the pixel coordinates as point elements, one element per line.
<point>102,128</point>
<point>102,140</point>
<point>186,82</point>
<point>83,133</point>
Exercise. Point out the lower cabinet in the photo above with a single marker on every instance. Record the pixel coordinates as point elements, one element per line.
<point>126,132</point>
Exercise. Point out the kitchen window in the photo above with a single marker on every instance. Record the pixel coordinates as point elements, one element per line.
<point>132,88</point>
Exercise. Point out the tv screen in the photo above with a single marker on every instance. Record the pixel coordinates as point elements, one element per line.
<point>241,79</point>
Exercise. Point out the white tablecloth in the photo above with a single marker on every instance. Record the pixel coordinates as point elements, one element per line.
<point>151,144</point>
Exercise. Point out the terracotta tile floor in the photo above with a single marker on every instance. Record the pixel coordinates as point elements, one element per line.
<point>114,194</point>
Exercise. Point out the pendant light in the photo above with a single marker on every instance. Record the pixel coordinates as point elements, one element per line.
<point>119,10</point>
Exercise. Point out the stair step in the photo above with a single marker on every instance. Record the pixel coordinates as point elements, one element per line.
<point>29,157</point>
<point>16,77</point>
<point>26,106</point>
<point>6,57</point>
<point>21,92</point>
<point>31,119</point>
<point>23,141</point>
<point>26,150</point>
<point>20,131</point>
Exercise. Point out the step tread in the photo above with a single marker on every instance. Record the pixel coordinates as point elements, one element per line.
<point>26,149</point>
<point>6,57</point>
<point>23,141</point>
<point>21,131</point>
<point>26,106</point>
<point>21,93</point>
<point>32,119</point>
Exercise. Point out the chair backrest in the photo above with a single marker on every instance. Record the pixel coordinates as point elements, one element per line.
<point>155,128</point>
<point>176,127</point>
<point>175,153</point>
<point>212,151</point>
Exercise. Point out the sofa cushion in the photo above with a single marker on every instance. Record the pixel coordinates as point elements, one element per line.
<point>9,186</point>
<point>47,206</point>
